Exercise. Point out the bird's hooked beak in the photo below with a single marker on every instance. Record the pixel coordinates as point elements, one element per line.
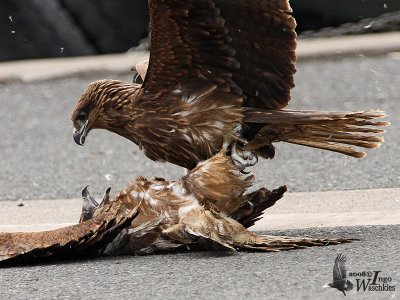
<point>89,205</point>
<point>89,198</point>
<point>80,134</point>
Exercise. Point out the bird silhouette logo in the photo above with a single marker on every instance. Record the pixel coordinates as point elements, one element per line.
<point>340,280</point>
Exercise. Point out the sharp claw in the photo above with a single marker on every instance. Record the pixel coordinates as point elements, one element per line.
<point>256,156</point>
<point>243,159</point>
<point>106,197</point>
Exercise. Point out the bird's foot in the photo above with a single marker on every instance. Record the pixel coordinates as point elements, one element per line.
<point>243,158</point>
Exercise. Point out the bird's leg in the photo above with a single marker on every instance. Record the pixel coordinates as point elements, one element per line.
<point>89,205</point>
<point>243,158</point>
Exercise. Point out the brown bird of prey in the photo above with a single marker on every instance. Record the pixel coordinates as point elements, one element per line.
<point>219,70</point>
<point>207,208</point>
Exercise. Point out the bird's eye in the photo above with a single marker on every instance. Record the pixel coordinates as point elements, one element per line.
<point>82,116</point>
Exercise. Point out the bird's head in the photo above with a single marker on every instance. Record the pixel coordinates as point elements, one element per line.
<point>100,106</point>
<point>90,205</point>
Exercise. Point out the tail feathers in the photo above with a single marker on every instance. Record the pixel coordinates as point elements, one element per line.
<point>334,131</point>
<point>281,243</point>
<point>255,204</point>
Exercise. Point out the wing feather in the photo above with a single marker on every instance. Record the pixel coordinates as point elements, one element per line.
<point>80,240</point>
<point>339,269</point>
<point>188,39</point>
<point>216,40</point>
<point>263,35</point>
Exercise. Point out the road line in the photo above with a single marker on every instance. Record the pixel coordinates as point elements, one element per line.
<point>315,220</point>
<point>294,210</point>
<point>46,69</point>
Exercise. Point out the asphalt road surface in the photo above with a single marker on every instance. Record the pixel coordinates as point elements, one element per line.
<point>297,274</point>
<point>39,159</point>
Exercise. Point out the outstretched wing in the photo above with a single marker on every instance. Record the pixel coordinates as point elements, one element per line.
<point>245,47</point>
<point>84,239</point>
<point>339,268</point>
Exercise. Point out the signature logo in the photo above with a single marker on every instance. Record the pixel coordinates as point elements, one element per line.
<point>340,280</point>
<point>365,281</point>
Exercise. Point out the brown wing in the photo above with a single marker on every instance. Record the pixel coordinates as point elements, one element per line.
<point>255,203</point>
<point>264,38</point>
<point>240,45</point>
<point>83,239</point>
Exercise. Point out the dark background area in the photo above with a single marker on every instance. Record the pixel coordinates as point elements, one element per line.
<point>317,14</point>
<point>57,28</point>
<point>60,28</point>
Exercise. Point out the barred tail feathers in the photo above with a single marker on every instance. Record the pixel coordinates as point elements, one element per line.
<point>333,131</point>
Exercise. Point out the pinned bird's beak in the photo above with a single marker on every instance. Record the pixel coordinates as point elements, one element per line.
<point>89,198</point>
<point>89,205</point>
<point>80,134</point>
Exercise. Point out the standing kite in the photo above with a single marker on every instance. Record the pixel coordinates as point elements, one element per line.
<point>219,71</point>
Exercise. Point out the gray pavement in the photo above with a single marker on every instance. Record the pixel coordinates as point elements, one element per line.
<point>39,160</point>
<point>212,275</point>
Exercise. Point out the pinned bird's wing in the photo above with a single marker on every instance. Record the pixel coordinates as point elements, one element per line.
<point>339,268</point>
<point>144,238</point>
<point>245,47</point>
<point>83,239</point>
<point>254,205</point>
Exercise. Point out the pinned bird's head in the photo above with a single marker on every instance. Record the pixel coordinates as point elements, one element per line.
<point>102,106</point>
<point>90,205</point>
